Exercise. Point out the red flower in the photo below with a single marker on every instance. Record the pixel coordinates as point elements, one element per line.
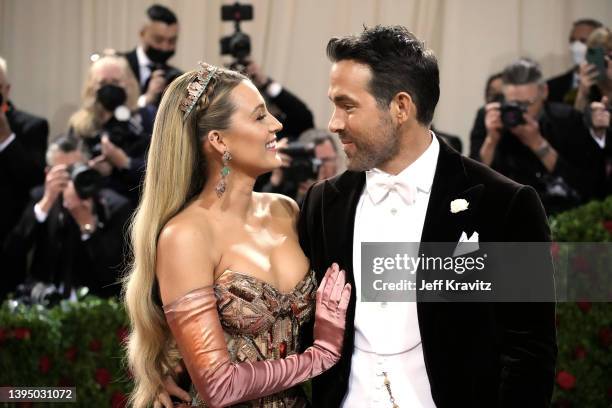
<point>580,353</point>
<point>605,336</point>
<point>580,264</point>
<point>122,334</point>
<point>71,353</point>
<point>118,400</point>
<point>103,377</point>
<point>565,380</point>
<point>584,306</point>
<point>44,364</point>
<point>95,345</point>
<point>608,225</point>
<point>22,333</point>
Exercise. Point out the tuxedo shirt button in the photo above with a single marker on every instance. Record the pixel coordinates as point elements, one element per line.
<point>393,211</point>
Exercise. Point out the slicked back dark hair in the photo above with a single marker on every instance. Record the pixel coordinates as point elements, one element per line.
<point>163,14</point>
<point>591,22</point>
<point>521,72</point>
<point>399,62</point>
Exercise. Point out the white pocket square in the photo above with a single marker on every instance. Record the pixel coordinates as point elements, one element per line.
<point>466,245</point>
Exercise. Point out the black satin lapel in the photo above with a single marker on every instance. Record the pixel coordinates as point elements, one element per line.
<point>449,181</point>
<point>340,201</point>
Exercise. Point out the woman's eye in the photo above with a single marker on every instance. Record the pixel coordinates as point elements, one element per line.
<point>262,117</point>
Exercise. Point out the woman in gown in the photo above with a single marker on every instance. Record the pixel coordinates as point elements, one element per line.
<point>218,277</point>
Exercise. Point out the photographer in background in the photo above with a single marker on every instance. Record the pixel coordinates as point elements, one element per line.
<point>74,229</point>
<point>23,141</point>
<point>597,118</point>
<point>111,125</point>
<point>290,110</point>
<point>149,61</point>
<point>534,142</point>
<point>596,72</point>
<point>313,158</point>
<point>563,88</point>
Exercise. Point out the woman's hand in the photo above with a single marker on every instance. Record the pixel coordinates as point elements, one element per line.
<point>330,313</point>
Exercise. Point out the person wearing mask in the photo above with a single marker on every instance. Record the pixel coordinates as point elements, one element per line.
<point>149,60</point>
<point>112,126</point>
<point>563,88</point>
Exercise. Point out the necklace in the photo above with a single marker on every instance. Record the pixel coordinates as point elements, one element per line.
<point>388,386</point>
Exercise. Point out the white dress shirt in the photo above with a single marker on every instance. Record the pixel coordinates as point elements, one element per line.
<point>387,336</point>
<point>144,69</point>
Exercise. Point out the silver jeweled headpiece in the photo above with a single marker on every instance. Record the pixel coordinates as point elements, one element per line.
<point>196,87</point>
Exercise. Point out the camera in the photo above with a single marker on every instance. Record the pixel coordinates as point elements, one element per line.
<point>304,164</point>
<point>238,44</point>
<point>170,74</point>
<point>118,133</point>
<point>87,181</point>
<point>512,114</point>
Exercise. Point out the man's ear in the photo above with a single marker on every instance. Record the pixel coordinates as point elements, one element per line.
<point>402,107</point>
<point>215,139</point>
<point>544,91</point>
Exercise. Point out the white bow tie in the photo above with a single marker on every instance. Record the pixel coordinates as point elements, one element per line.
<point>378,186</point>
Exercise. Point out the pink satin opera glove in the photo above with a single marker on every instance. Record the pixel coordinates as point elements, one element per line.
<point>195,324</point>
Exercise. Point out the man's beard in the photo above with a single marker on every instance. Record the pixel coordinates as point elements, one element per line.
<point>374,148</point>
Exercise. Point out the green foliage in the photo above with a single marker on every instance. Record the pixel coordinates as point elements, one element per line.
<point>584,330</point>
<point>77,344</point>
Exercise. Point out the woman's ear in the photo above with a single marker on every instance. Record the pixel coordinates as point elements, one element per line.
<point>216,141</point>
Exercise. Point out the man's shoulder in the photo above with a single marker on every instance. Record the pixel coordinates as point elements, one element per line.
<point>30,120</point>
<point>561,78</point>
<point>496,183</point>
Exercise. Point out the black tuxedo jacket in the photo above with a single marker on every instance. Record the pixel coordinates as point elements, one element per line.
<point>22,165</point>
<point>559,86</point>
<point>132,59</point>
<point>476,354</point>
<point>60,255</point>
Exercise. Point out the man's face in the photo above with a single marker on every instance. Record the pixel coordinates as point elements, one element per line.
<point>329,160</point>
<point>580,33</point>
<point>530,95</point>
<point>159,35</point>
<point>368,135</point>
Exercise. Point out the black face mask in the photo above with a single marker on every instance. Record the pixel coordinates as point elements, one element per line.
<point>158,56</point>
<point>111,96</point>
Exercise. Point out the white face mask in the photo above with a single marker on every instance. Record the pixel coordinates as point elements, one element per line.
<point>578,50</point>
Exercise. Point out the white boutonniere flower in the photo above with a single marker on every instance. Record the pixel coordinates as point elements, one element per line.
<point>459,205</point>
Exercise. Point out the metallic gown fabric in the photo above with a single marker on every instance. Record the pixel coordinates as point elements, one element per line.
<point>242,319</point>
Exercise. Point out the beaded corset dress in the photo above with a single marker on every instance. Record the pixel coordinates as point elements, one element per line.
<point>262,323</point>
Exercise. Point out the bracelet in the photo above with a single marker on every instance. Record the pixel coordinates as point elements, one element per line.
<point>543,150</point>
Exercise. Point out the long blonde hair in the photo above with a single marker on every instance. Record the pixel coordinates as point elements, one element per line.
<point>175,174</point>
<point>86,121</point>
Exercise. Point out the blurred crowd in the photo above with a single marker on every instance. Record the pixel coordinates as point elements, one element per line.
<point>67,199</point>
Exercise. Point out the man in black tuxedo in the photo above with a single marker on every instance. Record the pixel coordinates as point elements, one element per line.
<point>76,234</point>
<point>149,61</point>
<point>399,186</point>
<point>23,142</point>
<point>563,88</point>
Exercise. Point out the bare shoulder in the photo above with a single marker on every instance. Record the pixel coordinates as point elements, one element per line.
<point>280,205</point>
<point>185,258</point>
